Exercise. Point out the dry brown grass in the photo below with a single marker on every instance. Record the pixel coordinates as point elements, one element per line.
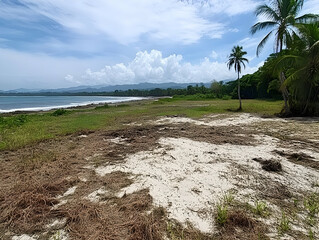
<point>300,158</point>
<point>240,225</point>
<point>27,208</point>
<point>122,218</point>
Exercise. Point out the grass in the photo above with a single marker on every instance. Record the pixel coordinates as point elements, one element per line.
<point>284,224</point>
<point>19,130</point>
<point>311,203</point>
<point>222,214</point>
<point>261,208</point>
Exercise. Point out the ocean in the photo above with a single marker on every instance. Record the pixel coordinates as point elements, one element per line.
<point>42,103</point>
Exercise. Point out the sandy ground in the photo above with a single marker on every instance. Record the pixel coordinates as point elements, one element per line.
<point>188,168</point>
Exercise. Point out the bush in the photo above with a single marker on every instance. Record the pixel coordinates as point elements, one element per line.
<point>59,112</point>
<point>14,121</point>
<point>226,97</point>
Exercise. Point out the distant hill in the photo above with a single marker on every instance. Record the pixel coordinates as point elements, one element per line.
<point>110,88</point>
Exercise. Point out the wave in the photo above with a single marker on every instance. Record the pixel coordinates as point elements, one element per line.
<point>31,109</point>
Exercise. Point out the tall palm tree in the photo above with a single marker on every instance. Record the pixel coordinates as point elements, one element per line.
<point>282,17</point>
<point>237,60</point>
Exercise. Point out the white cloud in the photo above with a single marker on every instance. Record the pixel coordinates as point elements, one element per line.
<point>153,67</point>
<point>34,70</point>
<point>127,21</point>
<point>249,42</point>
<point>229,7</point>
<point>310,6</point>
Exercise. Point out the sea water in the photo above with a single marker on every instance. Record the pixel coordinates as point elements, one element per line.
<point>42,103</point>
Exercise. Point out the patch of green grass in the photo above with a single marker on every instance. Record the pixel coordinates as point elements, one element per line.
<point>20,130</point>
<point>311,234</point>
<point>59,112</point>
<point>261,208</point>
<point>222,214</point>
<point>311,203</point>
<point>284,224</point>
<point>228,198</point>
<point>13,121</point>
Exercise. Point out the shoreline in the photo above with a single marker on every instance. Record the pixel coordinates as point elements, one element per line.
<point>84,105</point>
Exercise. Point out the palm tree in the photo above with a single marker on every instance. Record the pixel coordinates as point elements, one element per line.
<point>282,18</point>
<point>303,78</point>
<point>236,59</point>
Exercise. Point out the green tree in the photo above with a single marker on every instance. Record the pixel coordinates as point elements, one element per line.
<point>236,59</point>
<point>217,88</point>
<point>303,71</point>
<point>282,17</point>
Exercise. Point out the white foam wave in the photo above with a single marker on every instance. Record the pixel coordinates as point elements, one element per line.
<point>29,109</point>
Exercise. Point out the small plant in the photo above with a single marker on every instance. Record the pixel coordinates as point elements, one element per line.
<point>311,204</point>
<point>56,236</point>
<point>284,224</point>
<point>59,112</point>
<point>315,184</point>
<point>296,202</point>
<point>261,208</point>
<point>228,198</point>
<point>222,214</point>
<point>311,234</point>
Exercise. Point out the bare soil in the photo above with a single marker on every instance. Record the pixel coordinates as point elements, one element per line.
<point>58,181</point>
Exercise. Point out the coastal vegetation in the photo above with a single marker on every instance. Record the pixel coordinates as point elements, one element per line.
<point>297,40</point>
<point>17,130</point>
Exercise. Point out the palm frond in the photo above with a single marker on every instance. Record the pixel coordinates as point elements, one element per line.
<point>267,11</point>
<point>308,18</point>
<point>262,43</point>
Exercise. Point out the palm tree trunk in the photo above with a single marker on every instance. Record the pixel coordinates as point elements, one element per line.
<point>285,94</point>
<point>240,108</point>
<point>284,91</point>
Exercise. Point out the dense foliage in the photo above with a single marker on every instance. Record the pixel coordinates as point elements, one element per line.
<point>297,61</point>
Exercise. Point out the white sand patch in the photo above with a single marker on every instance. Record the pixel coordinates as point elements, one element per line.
<point>218,120</point>
<point>69,192</point>
<point>118,140</point>
<point>57,223</point>
<point>188,177</point>
<point>56,206</point>
<point>24,237</point>
<point>96,195</point>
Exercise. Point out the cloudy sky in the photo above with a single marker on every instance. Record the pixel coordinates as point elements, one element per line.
<point>59,43</point>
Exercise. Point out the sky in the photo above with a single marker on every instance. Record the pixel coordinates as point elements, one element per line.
<point>59,43</point>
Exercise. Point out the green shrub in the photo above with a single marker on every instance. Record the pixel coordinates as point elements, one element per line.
<point>14,121</point>
<point>222,214</point>
<point>226,97</point>
<point>59,112</point>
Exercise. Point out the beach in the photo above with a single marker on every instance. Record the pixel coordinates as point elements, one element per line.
<point>166,177</point>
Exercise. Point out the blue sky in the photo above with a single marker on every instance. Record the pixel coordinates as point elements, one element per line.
<point>58,43</point>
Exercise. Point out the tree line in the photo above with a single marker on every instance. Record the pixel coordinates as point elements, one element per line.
<point>294,67</point>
